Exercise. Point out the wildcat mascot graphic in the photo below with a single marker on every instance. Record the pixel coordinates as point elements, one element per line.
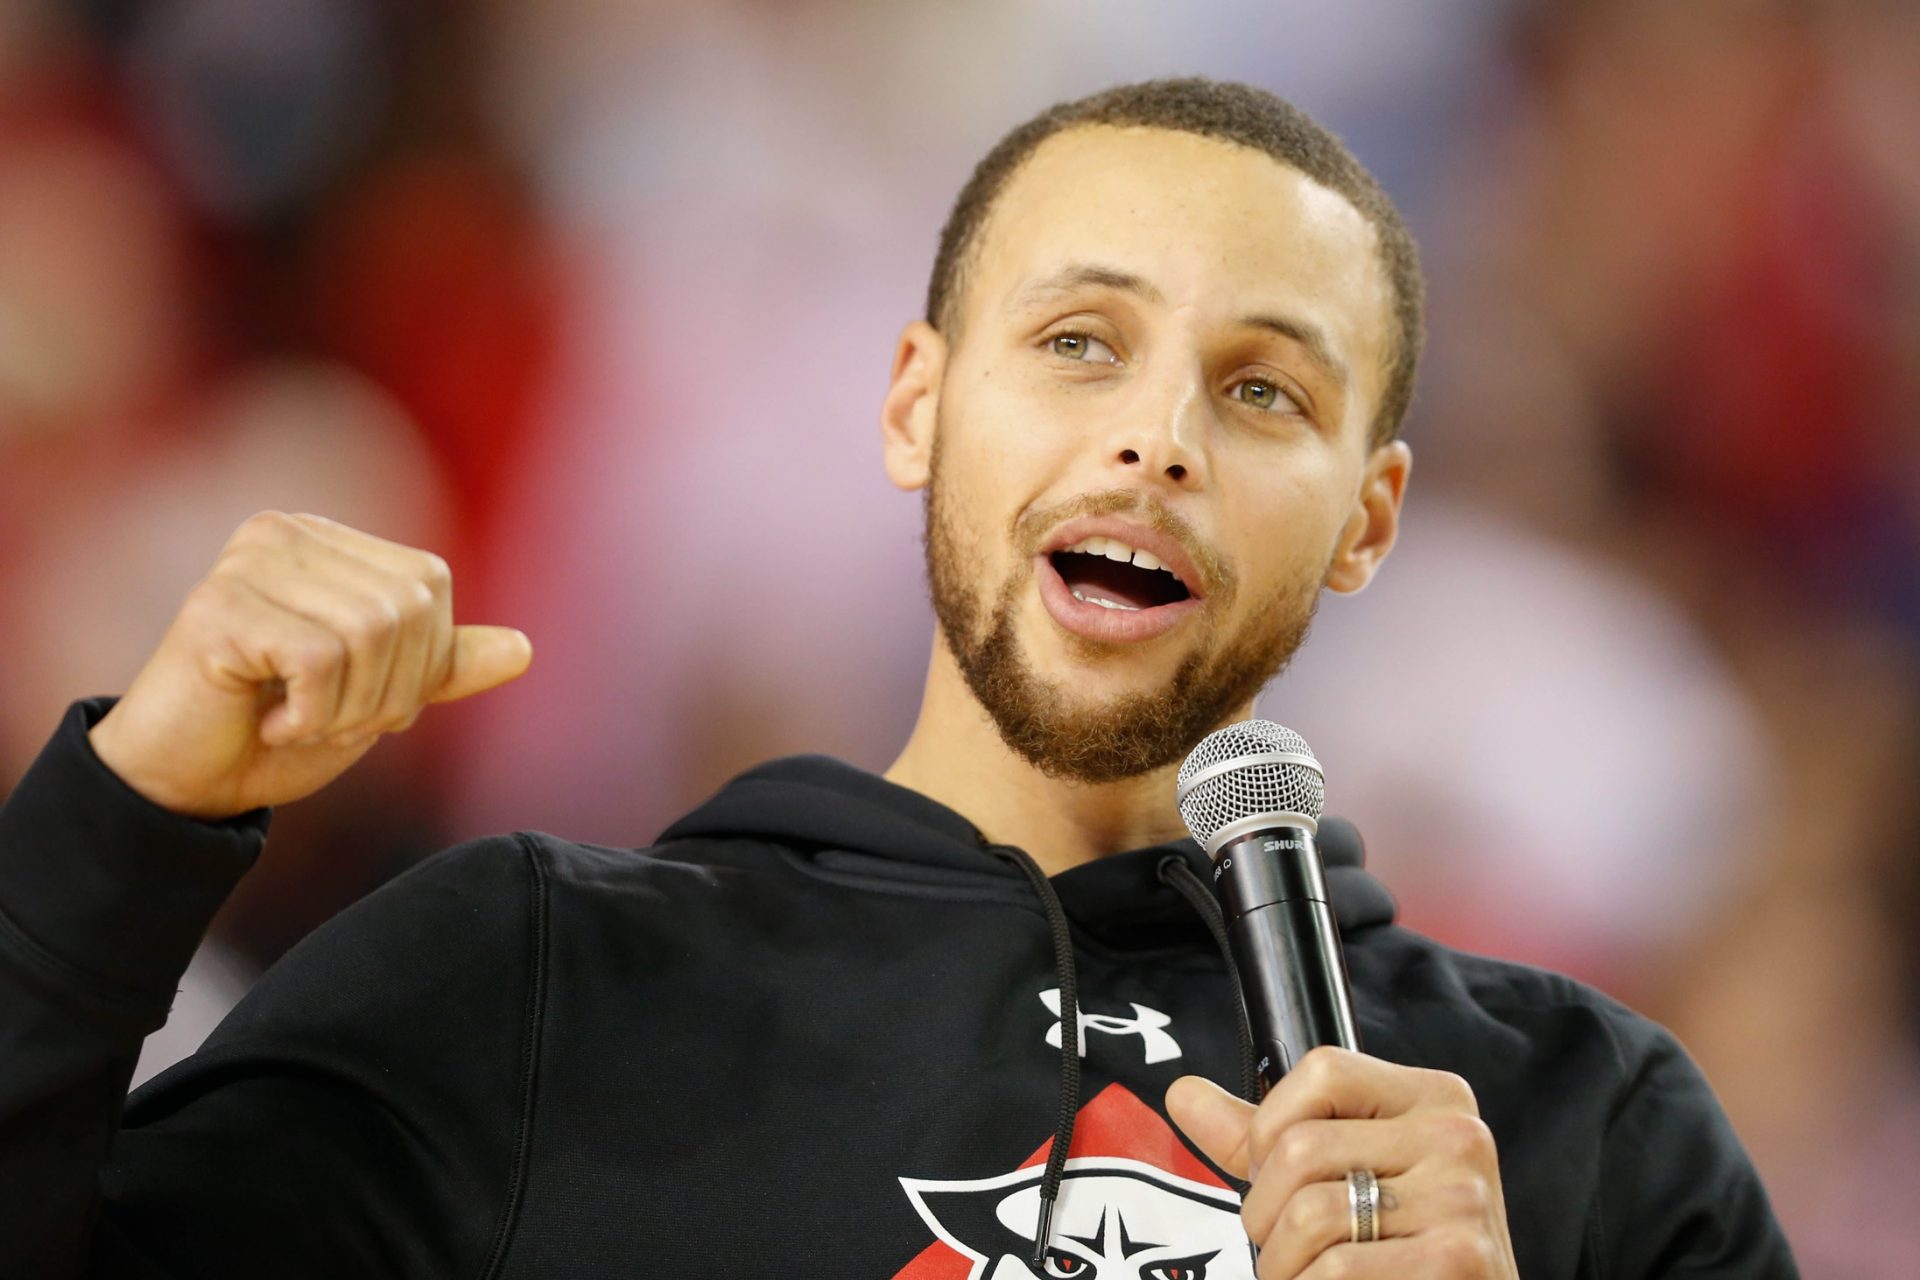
<point>1135,1204</point>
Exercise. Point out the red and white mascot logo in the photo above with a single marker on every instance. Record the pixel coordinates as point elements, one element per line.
<point>1135,1205</point>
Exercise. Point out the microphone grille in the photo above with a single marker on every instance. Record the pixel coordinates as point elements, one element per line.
<point>1248,770</point>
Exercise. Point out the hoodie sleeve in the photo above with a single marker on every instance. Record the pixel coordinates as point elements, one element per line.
<point>1679,1197</point>
<point>357,1114</point>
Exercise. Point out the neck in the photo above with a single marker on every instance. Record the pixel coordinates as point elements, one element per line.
<point>955,755</point>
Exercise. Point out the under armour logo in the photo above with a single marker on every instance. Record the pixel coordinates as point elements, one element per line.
<point>1149,1024</point>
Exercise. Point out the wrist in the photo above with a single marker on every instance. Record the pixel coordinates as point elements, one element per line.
<point>147,783</point>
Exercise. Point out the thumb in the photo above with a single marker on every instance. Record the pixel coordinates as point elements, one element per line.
<point>1216,1121</point>
<point>483,658</point>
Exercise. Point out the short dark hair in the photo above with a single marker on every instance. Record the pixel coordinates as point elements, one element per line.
<point>1214,109</point>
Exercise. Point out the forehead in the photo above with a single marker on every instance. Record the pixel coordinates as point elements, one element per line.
<point>1221,228</point>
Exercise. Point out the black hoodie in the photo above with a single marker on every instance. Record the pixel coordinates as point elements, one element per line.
<point>815,1031</point>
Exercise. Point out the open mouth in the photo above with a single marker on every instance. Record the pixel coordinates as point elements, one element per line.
<point>1108,573</point>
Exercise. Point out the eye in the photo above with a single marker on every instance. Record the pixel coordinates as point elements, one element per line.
<point>1073,345</point>
<point>1061,1263</point>
<point>1193,1268</point>
<point>1265,393</point>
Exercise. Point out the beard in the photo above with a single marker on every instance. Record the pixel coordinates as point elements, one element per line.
<point>1135,732</point>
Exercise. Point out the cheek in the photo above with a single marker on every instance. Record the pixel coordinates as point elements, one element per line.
<point>1009,438</point>
<point>1291,525</point>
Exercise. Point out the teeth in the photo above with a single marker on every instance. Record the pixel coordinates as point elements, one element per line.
<point>1114,549</point>
<point>1104,603</point>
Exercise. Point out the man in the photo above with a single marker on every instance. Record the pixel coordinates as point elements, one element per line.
<point>915,1026</point>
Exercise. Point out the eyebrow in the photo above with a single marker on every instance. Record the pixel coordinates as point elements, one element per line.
<point>1085,275</point>
<point>1311,337</point>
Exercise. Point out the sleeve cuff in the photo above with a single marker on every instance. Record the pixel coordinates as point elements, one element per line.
<point>102,891</point>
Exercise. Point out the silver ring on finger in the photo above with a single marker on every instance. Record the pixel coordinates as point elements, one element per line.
<point>1363,1205</point>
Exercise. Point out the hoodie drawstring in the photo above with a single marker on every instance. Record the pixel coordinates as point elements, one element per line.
<point>1069,1045</point>
<point>1173,870</point>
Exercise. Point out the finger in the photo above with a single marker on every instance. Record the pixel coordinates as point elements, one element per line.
<point>1332,1083</point>
<point>1322,1151</point>
<point>1409,1258</point>
<point>415,672</point>
<point>367,607</point>
<point>410,683</point>
<point>1216,1121</point>
<point>395,557</point>
<point>437,666</point>
<point>299,660</point>
<point>1316,1218</point>
<point>483,658</point>
<point>1426,1200</point>
<point>426,637</point>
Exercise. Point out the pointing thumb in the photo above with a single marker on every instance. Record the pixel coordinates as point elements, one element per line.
<point>483,658</point>
<point>1217,1122</point>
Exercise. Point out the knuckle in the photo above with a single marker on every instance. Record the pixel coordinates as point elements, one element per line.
<point>1454,1088</point>
<point>210,598</point>
<point>375,620</point>
<point>1296,1148</point>
<point>416,599</point>
<point>1263,1134</point>
<point>1338,1263</point>
<point>241,560</point>
<point>1318,1068</point>
<point>1463,1253</point>
<point>1466,1196</point>
<point>318,655</point>
<point>1298,1216</point>
<point>434,572</point>
<point>1464,1136</point>
<point>269,527</point>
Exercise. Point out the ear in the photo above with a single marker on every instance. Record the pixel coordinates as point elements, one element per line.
<point>1375,521</point>
<point>908,413</point>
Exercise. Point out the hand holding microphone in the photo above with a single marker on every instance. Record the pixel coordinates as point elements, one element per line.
<point>1358,1166</point>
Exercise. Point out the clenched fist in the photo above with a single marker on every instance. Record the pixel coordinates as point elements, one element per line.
<point>305,643</point>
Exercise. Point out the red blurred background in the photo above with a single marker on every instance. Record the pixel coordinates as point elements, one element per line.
<point>597,300</point>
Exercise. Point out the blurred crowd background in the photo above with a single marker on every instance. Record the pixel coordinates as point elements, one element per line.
<point>598,300</point>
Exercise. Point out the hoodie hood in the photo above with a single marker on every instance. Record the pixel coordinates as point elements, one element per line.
<point>829,811</point>
<point>1138,901</point>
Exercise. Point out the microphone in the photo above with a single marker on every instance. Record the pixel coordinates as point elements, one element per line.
<point>1251,794</point>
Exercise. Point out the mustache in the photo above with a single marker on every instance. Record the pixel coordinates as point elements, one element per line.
<point>1032,527</point>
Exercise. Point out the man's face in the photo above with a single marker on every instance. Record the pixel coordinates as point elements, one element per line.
<point>1174,346</point>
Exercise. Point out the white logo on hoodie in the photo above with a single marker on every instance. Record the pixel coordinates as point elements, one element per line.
<point>1149,1024</point>
<point>1135,1204</point>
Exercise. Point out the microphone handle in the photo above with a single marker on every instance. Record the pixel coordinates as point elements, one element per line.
<point>1286,943</point>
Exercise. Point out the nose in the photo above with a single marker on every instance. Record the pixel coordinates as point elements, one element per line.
<point>1164,441</point>
<point>1174,471</point>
